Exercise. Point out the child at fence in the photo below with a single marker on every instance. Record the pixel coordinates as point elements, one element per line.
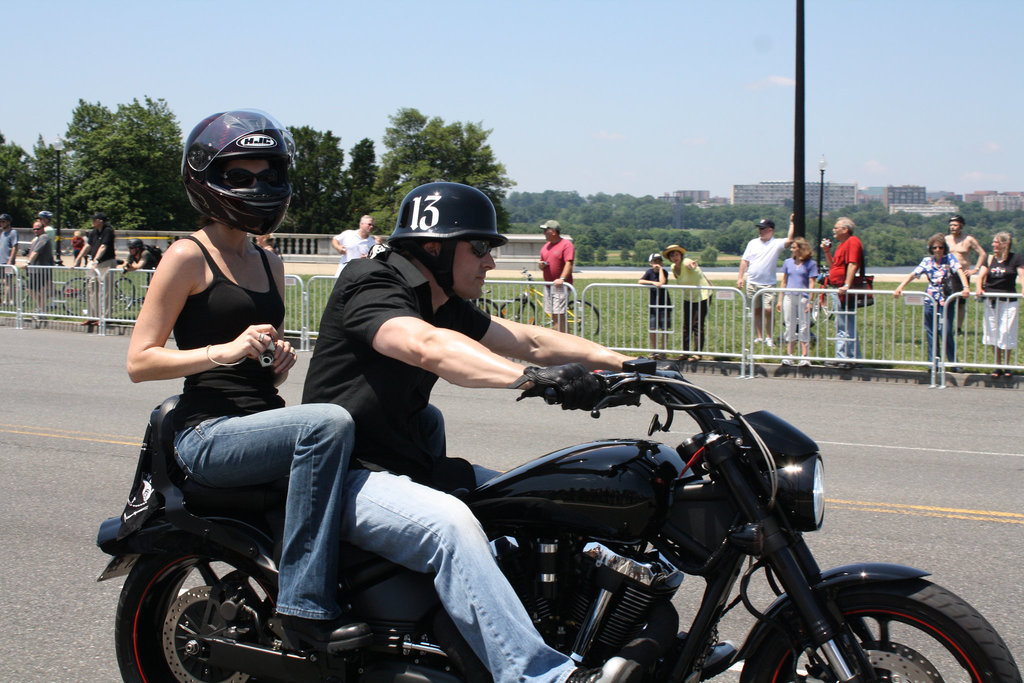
<point>798,272</point>
<point>659,322</point>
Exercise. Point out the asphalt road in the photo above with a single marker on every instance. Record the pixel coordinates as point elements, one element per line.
<point>926,477</point>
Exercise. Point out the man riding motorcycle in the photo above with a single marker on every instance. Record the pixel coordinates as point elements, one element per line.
<point>396,322</point>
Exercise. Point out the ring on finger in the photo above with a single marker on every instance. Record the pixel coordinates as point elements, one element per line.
<point>260,338</point>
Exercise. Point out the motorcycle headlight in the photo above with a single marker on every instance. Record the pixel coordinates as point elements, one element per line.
<point>801,491</point>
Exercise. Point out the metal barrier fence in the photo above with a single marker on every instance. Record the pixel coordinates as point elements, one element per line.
<point>693,323</point>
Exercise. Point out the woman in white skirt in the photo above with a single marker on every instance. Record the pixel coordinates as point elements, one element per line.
<point>999,275</point>
<point>798,272</point>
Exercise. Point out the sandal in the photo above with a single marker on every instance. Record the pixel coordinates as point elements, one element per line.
<point>995,374</point>
<point>693,359</point>
<point>1007,373</point>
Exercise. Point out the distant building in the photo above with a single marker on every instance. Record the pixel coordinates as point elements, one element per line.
<point>870,194</point>
<point>780,193</point>
<point>684,196</point>
<point>979,195</point>
<point>933,209</point>
<point>1004,201</point>
<point>944,195</point>
<point>904,194</point>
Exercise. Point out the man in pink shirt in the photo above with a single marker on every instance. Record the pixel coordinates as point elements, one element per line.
<point>556,259</point>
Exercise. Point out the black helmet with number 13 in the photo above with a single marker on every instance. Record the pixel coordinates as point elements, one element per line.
<point>253,203</point>
<point>447,213</point>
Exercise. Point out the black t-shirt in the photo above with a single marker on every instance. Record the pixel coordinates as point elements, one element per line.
<point>1002,275</point>
<point>381,393</point>
<point>104,235</point>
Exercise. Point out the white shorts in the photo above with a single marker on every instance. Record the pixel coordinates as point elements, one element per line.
<point>1000,324</point>
<point>556,299</point>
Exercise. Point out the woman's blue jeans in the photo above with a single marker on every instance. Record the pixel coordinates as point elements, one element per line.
<point>946,320</point>
<point>311,445</point>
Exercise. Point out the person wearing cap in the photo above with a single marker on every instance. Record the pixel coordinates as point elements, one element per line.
<point>8,257</point>
<point>556,258</point>
<point>659,324</point>
<point>758,271</point>
<point>696,298</point>
<point>960,245</point>
<point>47,217</point>
<point>101,258</point>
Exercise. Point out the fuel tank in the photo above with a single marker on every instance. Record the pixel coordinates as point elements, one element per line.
<point>615,490</point>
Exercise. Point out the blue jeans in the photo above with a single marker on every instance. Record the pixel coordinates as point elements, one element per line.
<point>429,531</point>
<point>946,323</point>
<point>846,328</point>
<point>310,444</point>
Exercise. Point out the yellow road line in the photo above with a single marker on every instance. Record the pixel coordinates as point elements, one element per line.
<point>930,511</point>
<point>36,431</point>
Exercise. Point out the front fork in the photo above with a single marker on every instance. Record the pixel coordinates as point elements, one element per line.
<point>795,568</point>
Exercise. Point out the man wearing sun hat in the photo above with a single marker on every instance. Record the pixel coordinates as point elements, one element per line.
<point>758,271</point>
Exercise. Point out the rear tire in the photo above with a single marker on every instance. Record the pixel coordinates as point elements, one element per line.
<point>520,311</point>
<point>912,631</point>
<point>165,599</point>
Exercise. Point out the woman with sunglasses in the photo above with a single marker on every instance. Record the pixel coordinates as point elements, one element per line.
<point>938,267</point>
<point>222,298</point>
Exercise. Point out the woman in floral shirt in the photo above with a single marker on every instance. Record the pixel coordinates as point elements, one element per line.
<point>937,267</point>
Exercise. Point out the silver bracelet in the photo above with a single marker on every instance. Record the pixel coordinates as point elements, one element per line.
<point>217,362</point>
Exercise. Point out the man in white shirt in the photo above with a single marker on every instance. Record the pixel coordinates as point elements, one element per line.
<point>758,271</point>
<point>353,244</point>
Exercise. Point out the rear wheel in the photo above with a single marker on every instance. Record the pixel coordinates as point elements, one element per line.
<point>911,632</point>
<point>586,318</point>
<point>167,600</point>
<point>124,297</point>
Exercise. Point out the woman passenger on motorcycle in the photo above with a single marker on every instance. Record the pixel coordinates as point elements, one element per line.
<point>222,298</point>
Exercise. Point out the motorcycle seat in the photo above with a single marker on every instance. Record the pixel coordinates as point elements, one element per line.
<point>205,500</point>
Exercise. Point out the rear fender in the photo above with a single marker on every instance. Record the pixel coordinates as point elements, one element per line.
<point>847,575</point>
<point>249,544</point>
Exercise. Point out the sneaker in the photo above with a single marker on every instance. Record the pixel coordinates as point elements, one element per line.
<point>769,343</point>
<point>787,361</point>
<point>804,363</point>
<point>758,340</point>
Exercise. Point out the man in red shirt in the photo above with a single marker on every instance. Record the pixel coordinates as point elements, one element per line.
<point>842,267</point>
<point>556,258</point>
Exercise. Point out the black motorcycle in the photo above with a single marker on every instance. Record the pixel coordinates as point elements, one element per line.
<point>595,539</point>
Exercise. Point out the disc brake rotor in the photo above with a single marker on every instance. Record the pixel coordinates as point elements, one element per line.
<point>900,664</point>
<point>186,619</point>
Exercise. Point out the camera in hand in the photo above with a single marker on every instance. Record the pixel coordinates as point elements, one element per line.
<point>267,358</point>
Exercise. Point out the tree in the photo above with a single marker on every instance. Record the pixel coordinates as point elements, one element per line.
<point>422,150</point>
<point>15,182</point>
<point>319,197</point>
<point>360,179</point>
<point>124,163</point>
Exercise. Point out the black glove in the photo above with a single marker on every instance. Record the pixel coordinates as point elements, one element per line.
<point>576,388</point>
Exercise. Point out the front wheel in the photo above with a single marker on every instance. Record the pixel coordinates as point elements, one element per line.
<point>912,632</point>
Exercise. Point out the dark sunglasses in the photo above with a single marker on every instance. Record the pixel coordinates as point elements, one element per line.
<point>242,177</point>
<point>938,247</point>
<point>480,248</point>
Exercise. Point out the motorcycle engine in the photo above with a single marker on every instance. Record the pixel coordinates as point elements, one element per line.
<point>589,601</point>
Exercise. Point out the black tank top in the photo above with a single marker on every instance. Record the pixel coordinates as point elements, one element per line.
<point>218,315</point>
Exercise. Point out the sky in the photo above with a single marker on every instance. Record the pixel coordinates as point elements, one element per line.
<point>640,97</point>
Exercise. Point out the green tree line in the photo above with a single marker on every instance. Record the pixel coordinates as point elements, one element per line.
<point>126,162</point>
<point>633,227</point>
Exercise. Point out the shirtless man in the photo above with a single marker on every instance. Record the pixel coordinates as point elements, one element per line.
<point>959,245</point>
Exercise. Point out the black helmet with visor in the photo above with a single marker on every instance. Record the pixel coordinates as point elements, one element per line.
<point>255,203</point>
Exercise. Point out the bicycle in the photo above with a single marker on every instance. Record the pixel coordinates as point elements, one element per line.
<point>581,316</point>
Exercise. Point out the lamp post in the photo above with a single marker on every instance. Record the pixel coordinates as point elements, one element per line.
<point>821,200</point>
<point>59,147</point>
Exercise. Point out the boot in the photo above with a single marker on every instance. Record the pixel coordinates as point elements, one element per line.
<point>330,636</point>
<point>615,670</point>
